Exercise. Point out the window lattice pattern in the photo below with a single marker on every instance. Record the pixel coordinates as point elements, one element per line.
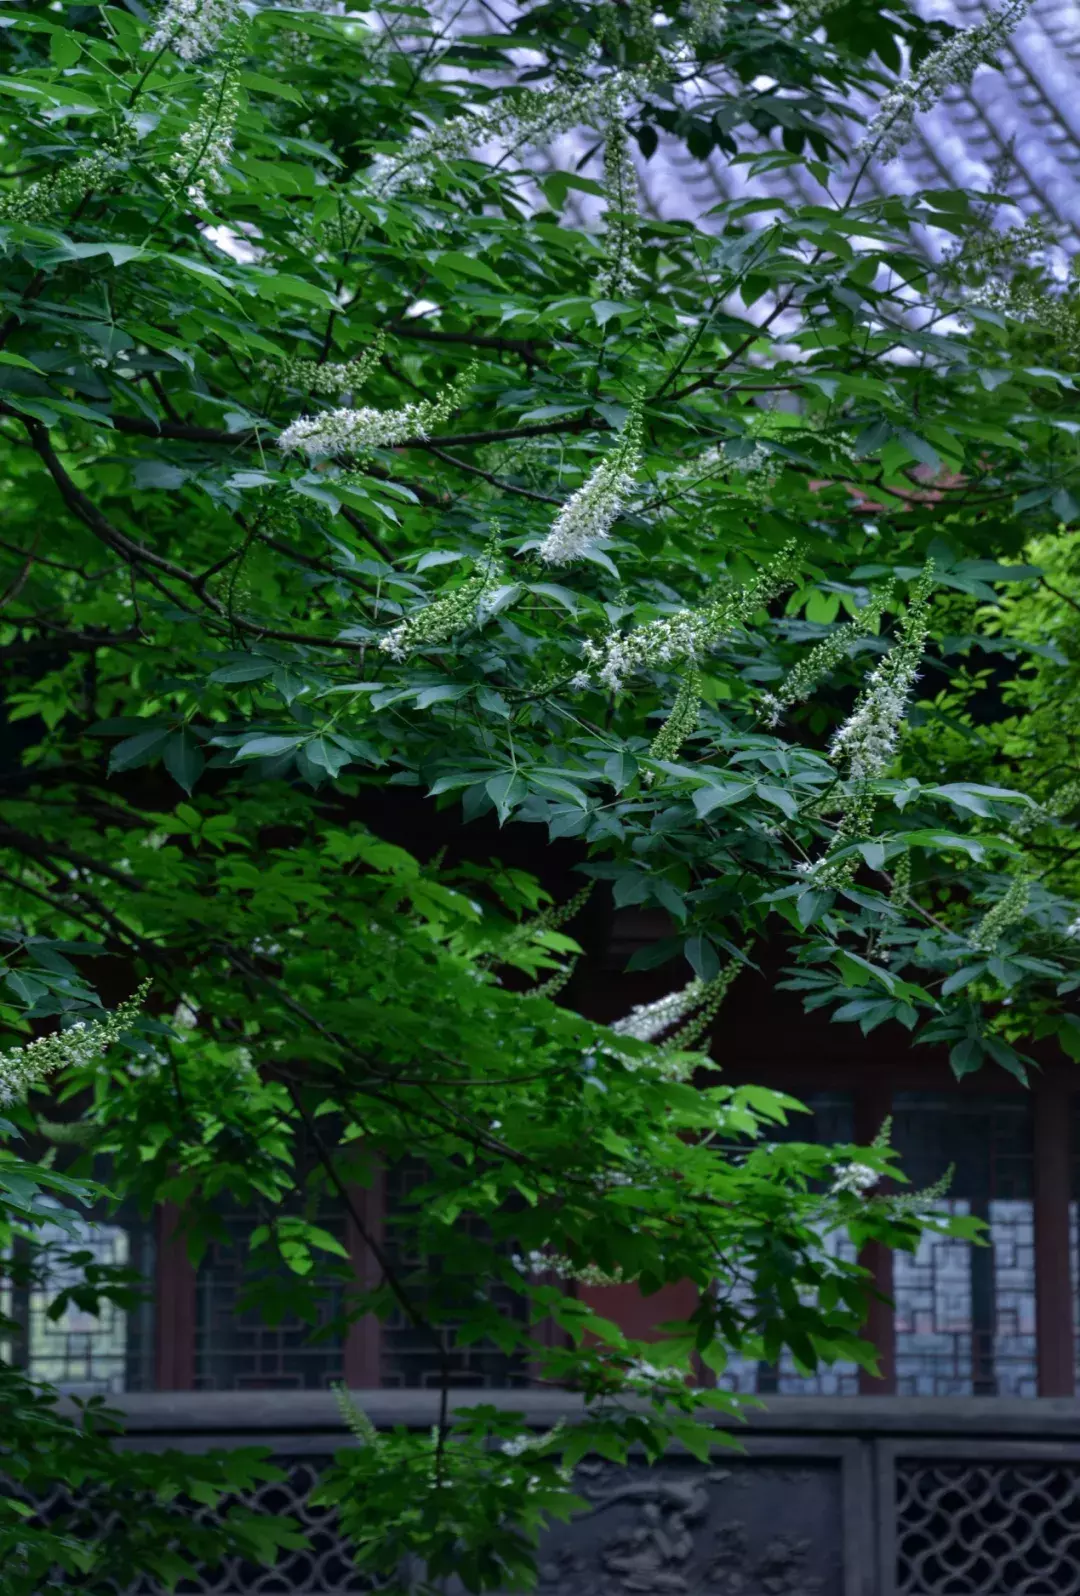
<point>82,1353</point>
<point>987,1529</point>
<point>965,1316</point>
<point>942,1347</point>
<point>409,1356</point>
<point>831,1120</point>
<point>236,1347</point>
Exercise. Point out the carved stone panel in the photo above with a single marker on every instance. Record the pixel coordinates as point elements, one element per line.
<point>748,1528</point>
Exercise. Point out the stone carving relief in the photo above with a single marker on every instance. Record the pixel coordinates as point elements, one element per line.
<point>689,1531</point>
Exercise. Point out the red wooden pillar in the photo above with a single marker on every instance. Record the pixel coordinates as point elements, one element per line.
<point>174,1349</point>
<point>1053,1272</point>
<point>872,1106</point>
<point>363,1342</point>
<point>639,1316</point>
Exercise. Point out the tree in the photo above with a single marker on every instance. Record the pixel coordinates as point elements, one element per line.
<point>351,474</point>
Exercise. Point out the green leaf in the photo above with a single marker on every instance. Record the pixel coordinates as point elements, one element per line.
<point>267,747</point>
<point>159,474</point>
<point>1065,506</point>
<point>138,750</point>
<point>9,359</point>
<point>620,769</point>
<point>961,978</point>
<point>454,263</point>
<point>250,668</point>
<point>282,285</point>
<point>327,755</point>
<point>702,957</point>
<point>966,1056</point>
<point>183,759</point>
<point>64,49</point>
<point>717,796</point>
<point>506,791</point>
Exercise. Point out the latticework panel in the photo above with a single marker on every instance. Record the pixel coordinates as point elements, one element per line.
<point>965,1315</point>
<point>987,1529</point>
<point>237,1347</point>
<point>323,1568</point>
<point>410,1354</point>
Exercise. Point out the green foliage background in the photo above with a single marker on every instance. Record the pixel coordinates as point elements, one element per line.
<point>210,750</point>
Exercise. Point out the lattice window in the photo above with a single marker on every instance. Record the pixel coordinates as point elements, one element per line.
<point>236,1347</point>
<point>831,1120</point>
<point>965,1316</point>
<point>409,1355</point>
<point>987,1529</point>
<point>82,1353</point>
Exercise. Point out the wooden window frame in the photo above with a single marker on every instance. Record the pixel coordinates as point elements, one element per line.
<point>1055,1354</point>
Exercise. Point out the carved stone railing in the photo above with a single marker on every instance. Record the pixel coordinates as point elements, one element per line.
<point>831,1497</point>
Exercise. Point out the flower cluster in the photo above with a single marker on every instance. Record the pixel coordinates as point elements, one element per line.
<point>1002,249</point>
<point>439,621</point>
<point>646,1021</point>
<point>352,432</point>
<point>520,1444</point>
<point>589,513</point>
<point>66,185</point>
<point>707,18</point>
<point>538,1263</point>
<point>1055,808</point>
<point>750,476</point>
<point>867,740</point>
<point>357,1421</point>
<point>806,14</point>
<point>857,1178</point>
<point>918,1202</point>
<point>758,470</point>
<point>1009,910</point>
<point>554,983</point>
<point>1055,315</point>
<point>690,474</point>
<point>530,118</point>
<point>330,379</point>
<point>23,1067</point>
<point>900,891</point>
<point>955,62</point>
<point>820,662</point>
<point>681,723</point>
<point>620,275</point>
<point>688,634</point>
<point>207,145</point>
<point>192,28</point>
<point>708,1004</point>
<point>548,919</point>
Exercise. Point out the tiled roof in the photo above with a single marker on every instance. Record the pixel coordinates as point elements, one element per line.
<point>1032,105</point>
